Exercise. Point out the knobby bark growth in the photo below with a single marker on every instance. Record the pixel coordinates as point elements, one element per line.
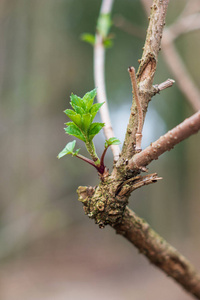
<point>107,203</point>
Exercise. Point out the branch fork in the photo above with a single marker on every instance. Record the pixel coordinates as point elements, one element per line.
<point>107,203</point>
<point>166,142</point>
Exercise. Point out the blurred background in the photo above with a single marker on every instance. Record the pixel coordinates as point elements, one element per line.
<point>48,248</point>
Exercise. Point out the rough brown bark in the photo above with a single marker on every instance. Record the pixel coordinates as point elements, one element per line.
<point>159,252</point>
<point>107,203</point>
<point>166,142</point>
<point>146,72</point>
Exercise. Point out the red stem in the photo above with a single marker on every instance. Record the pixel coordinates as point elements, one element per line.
<point>102,157</point>
<point>99,168</point>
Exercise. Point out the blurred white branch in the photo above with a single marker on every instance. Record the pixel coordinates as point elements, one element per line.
<point>99,78</point>
<point>184,25</point>
<point>179,71</point>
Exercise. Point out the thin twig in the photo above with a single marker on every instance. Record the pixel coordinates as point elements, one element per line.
<point>99,78</point>
<point>157,88</point>
<point>166,142</point>
<point>138,135</point>
<point>190,8</point>
<point>184,25</point>
<point>171,56</point>
<point>174,61</point>
<point>137,182</point>
<point>164,85</point>
<point>146,72</point>
<point>121,22</point>
<point>179,71</point>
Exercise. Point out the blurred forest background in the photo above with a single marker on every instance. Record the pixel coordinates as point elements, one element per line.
<point>48,248</point>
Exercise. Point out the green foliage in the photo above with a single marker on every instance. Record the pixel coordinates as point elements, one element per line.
<point>94,129</point>
<point>89,38</point>
<point>72,129</point>
<point>103,27</point>
<point>69,149</point>
<point>82,117</point>
<point>108,43</point>
<point>112,141</point>
<point>81,126</point>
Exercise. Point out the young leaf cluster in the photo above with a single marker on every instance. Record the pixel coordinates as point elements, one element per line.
<point>82,116</point>
<point>103,27</point>
<point>81,126</point>
<point>112,141</point>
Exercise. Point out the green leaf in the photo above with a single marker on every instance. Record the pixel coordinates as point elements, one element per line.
<point>69,148</point>
<point>103,25</point>
<point>76,152</point>
<point>88,38</point>
<point>88,98</point>
<point>112,141</point>
<point>79,110</point>
<point>83,105</point>
<point>82,116</point>
<point>76,118</point>
<point>72,129</point>
<point>95,108</point>
<point>108,43</point>
<point>90,95</point>
<point>86,122</point>
<point>75,100</point>
<point>94,129</point>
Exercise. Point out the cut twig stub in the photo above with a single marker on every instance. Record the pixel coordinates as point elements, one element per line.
<point>137,182</point>
<point>164,85</point>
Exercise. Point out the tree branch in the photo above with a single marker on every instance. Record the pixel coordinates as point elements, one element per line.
<point>107,203</point>
<point>166,142</point>
<point>159,252</point>
<point>99,78</point>
<point>169,52</point>
<point>179,71</point>
<point>136,183</point>
<point>164,85</point>
<point>138,135</point>
<point>127,26</point>
<point>184,25</point>
<point>173,59</point>
<point>145,74</point>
